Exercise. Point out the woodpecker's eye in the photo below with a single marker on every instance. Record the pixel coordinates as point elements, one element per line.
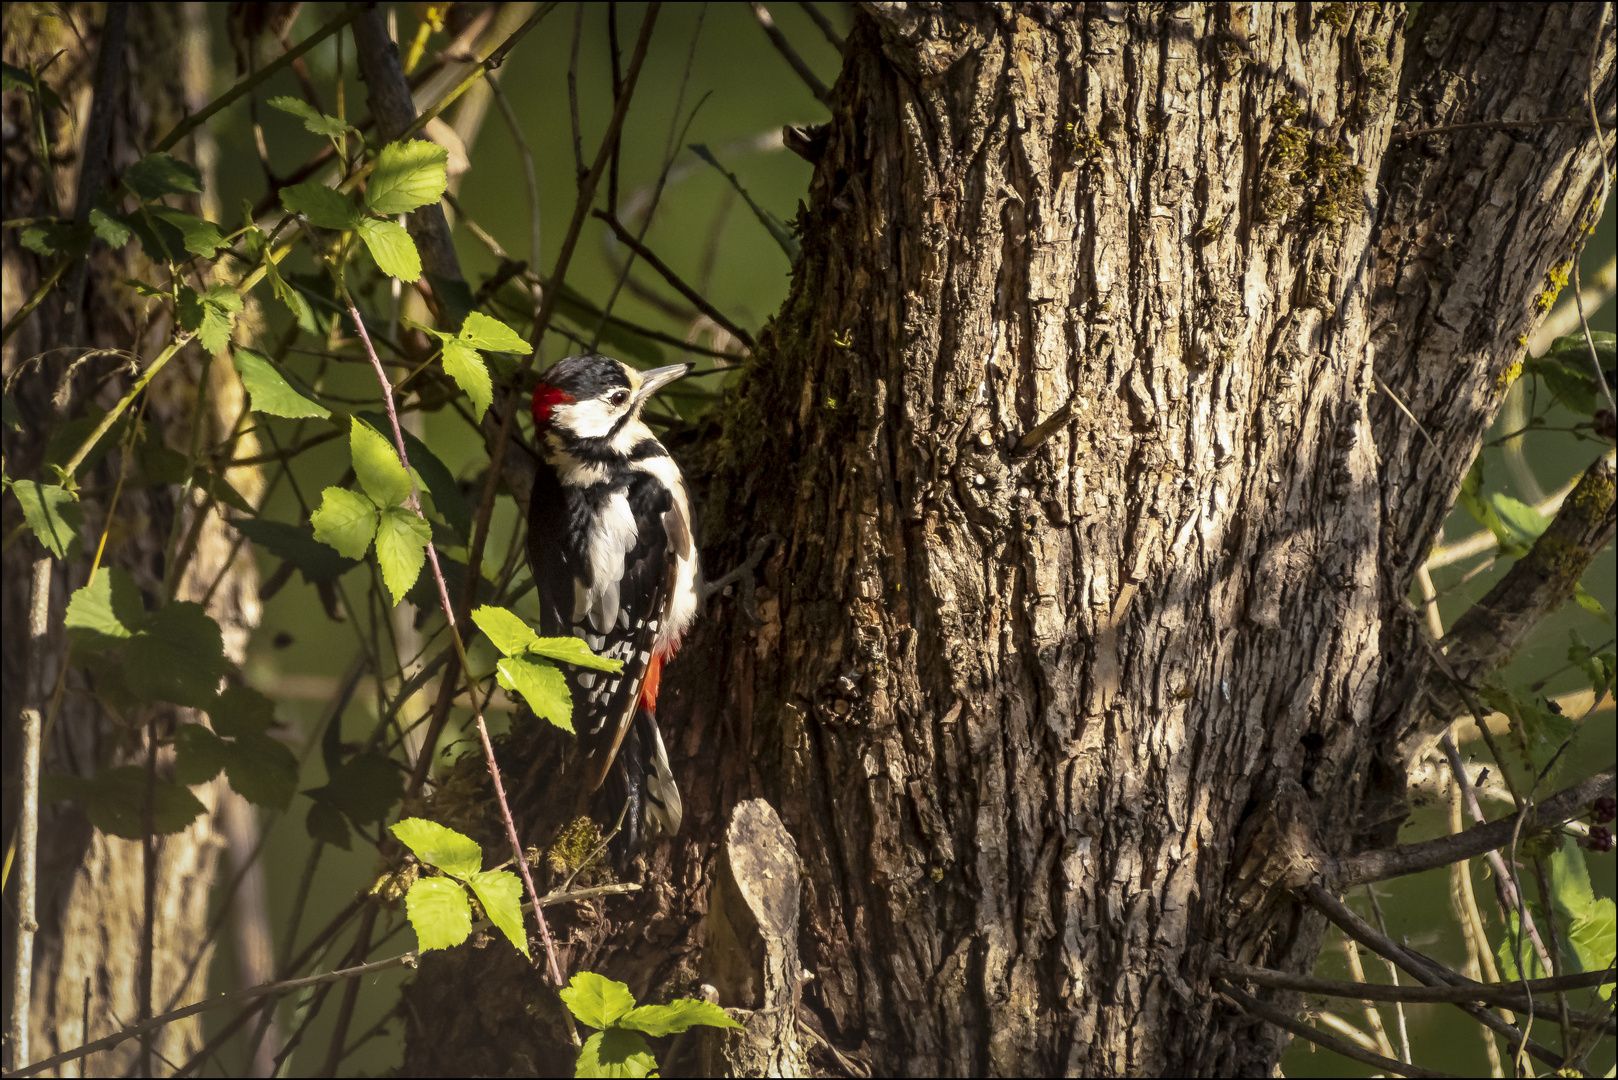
<point>619,397</point>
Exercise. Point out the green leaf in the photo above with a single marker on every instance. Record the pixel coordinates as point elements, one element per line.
<point>376,464</point>
<point>161,464</point>
<point>491,335</point>
<point>179,657</point>
<point>262,770</point>
<point>401,548</point>
<point>314,120</point>
<point>407,175</point>
<point>13,77</point>
<point>772,224</point>
<point>500,893</point>
<point>1569,382</point>
<point>440,913</point>
<point>269,389</point>
<point>65,439</point>
<point>242,711</point>
<point>571,650</point>
<point>53,515</point>
<point>221,489</point>
<point>199,754</point>
<point>112,232</point>
<point>116,798</point>
<point>434,475</point>
<point>318,562</point>
<point>1574,351</point>
<point>210,317</point>
<point>323,206</point>
<point>505,629</point>
<point>325,822</point>
<point>55,237</point>
<point>157,175</point>
<point>541,684</point>
<point>346,520</point>
<point>390,245</point>
<point>615,1052</point>
<point>440,846</point>
<point>200,237</point>
<point>1582,597</point>
<point>597,1001</point>
<point>463,364</point>
<point>676,1016</point>
<point>1523,519</point>
<point>107,611</point>
<point>289,296</point>
<point>365,787</point>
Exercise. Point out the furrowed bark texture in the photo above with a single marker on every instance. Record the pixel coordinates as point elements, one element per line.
<point>1086,585</point>
<point>87,955</point>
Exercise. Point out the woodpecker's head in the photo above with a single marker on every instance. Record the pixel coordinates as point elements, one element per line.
<point>591,398</point>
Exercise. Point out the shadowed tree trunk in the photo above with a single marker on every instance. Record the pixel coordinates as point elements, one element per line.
<point>92,902</point>
<point>1084,639</point>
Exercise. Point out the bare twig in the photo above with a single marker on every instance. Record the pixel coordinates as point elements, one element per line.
<point>573,93</point>
<point>696,298</point>
<point>1414,858</point>
<point>247,82</point>
<point>820,20</point>
<point>1285,1022</point>
<point>784,47</point>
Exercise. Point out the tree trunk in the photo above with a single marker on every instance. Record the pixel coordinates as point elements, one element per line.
<point>1084,639</point>
<point>87,955</point>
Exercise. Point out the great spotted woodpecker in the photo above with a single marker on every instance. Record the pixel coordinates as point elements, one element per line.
<point>609,540</point>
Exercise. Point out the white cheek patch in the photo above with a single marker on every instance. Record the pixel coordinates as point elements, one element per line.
<point>589,419</point>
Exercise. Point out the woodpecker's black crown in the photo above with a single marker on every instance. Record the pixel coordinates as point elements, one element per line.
<point>587,376</point>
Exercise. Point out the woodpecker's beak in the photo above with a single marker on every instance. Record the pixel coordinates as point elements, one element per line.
<point>654,380</point>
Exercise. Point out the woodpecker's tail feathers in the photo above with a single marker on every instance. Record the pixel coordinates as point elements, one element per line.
<point>663,807</point>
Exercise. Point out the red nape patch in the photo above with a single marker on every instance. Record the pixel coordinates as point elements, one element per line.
<point>648,685</point>
<point>546,398</point>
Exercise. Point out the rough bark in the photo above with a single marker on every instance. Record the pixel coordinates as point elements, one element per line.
<point>1084,634</point>
<point>88,951</point>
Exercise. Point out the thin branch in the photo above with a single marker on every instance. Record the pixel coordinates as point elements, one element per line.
<point>1414,858</point>
<point>573,92</point>
<point>1505,995</point>
<point>820,20</point>
<point>1487,125</point>
<point>252,79</point>
<point>1286,1022</point>
<point>1422,967</point>
<point>628,240</point>
<point>784,47</point>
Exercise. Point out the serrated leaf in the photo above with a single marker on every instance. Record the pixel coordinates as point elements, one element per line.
<point>325,823</point>
<point>401,548</point>
<point>505,629</point>
<point>616,1053</point>
<point>1574,351</point>
<point>179,657</point>
<point>162,464</point>
<point>541,685</point>
<point>314,120</point>
<point>390,245</point>
<point>434,476</point>
<point>365,787</point>
<point>289,296</point>
<point>55,238</point>
<point>210,317</point>
<point>675,1017</point>
<point>439,913</point>
<point>440,846</point>
<point>500,893</point>
<point>262,770</point>
<point>407,175</point>
<point>112,232</point>
<point>463,364</point>
<point>53,515</point>
<point>596,1000</point>
<point>242,711</point>
<point>318,562</point>
<point>269,390</point>
<point>346,520</point>
<point>156,175</point>
<point>201,237</point>
<point>491,335</point>
<point>323,206</point>
<point>199,754</point>
<point>107,611</point>
<point>571,650</point>
<point>116,798</point>
<point>376,464</point>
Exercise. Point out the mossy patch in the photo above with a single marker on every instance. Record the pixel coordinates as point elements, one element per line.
<point>1555,282</point>
<point>575,847</point>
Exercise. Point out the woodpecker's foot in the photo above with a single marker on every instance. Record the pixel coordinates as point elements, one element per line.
<point>743,576</point>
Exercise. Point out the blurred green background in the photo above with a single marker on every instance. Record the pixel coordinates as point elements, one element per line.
<point>713,62</point>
